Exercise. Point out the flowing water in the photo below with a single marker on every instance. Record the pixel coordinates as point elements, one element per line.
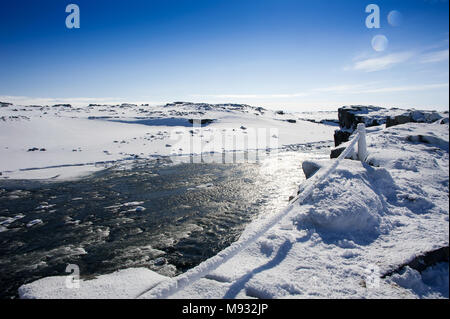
<point>156,214</point>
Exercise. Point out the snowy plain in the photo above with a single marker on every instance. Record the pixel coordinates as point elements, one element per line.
<point>60,142</point>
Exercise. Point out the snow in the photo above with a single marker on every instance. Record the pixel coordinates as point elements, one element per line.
<point>353,228</point>
<point>432,283</point>
<point>123,284</point>
<point>352,223</point>
<point>80,141</point>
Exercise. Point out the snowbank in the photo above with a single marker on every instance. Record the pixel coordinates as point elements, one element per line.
<point>346,203</point>
<point>123,284</point>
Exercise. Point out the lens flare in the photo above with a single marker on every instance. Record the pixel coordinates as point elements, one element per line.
<point>379,43</point>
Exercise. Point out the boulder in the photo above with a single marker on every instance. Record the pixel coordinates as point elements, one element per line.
<point>310,168</point>
<point>201,121</point>
<point>397,120</point>
<point>341,136</point>
<point>335,152</point>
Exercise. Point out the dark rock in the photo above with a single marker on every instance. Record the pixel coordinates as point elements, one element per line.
<point>159,261</point>
<point>413,117</point>
<point>291,121</point>
<point>33,149</point>
<point>351,116</point>
<point>341,137</point>
<point>420,263</point>
<point>329,122</point>
<point>5,104</point>
<point>243,128</point>
<point>260,109</point>
<point>336,152</point>
<point>200,121</point>
<point>42,150</point>
<point>397,120</point>
<point>310,168</point>
<point>279,112</point>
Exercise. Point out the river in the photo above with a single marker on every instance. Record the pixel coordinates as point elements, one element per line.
<point>157,214</point>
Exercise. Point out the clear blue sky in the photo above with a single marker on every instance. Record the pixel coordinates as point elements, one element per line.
<point>290,54</point>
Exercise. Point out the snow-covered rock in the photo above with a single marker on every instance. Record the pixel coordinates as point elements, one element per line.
<point>351,116</point>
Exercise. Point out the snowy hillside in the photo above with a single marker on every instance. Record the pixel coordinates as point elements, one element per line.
<point>350,239</point>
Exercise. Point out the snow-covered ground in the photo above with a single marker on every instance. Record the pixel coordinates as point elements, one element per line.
<point>362,221</point>
<point>60,142</point>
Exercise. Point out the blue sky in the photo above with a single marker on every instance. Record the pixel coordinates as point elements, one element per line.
<point>290,54</point>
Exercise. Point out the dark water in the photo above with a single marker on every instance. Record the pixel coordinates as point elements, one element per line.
<point>192,211</point>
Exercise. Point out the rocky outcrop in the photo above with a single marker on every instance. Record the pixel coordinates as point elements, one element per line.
<point>413,116</point>
<point>351,116</point>
<point>5,104</point>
